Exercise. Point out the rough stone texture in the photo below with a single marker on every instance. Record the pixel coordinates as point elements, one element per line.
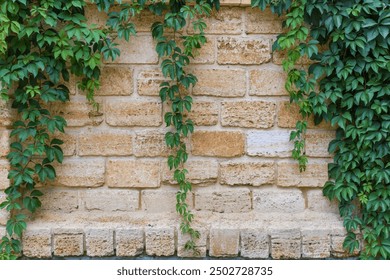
<point>316,175</point>
<point>206,55</point>
<point>285,244</point>
<point>37,243</point>
<point>160,241</point>
<point>224,242</point>
<point>99,242</point>
<point>110,200</point>
<point>68,243</point>
<point>315,244</point>
<point>337,249</point>
<point>243,51</point>
<point>204,113</point>
<point>105,143</point>
<point>274,143</point>
<point>148,82</point>
<point>218,143</point>
<point>223,200</point>
<point>139,50</point>
<point>316,201</point>
<point>247,173</point>
<point>317,143</point>
<point>86,172</point>
<point>133,174</point>
<point>6,114</point>
<point>162,200</point>
<point>4,214</point>
<point>252,114</point>
<point>262,22</point>
<point>254,244</point>
<point>4,142</point>
<point>150,144</point>
<point>126,113</point>
<point>4,167</point>
<point>220,83</point>
<point>59,200</point>
<point>129,242</point>
<point>116,81</point>
<point>267,82</point>
<point>275,200</point>
<point>201,244</point>
<point>199,172</point>
<point>70,142</point>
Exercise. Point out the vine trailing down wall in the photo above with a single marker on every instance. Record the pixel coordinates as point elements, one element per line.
<point>41,45</point>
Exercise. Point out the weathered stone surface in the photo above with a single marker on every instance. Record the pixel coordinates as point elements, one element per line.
<point>37,243</point>
<point>224,242</point>
<point>269,143</point>
<point>204,113</point>
<point>160,241</point>
<point>139,50</point>
<point>110,200</point>
<point>59,200</point>
<point>4,142</point>
<point>74,172</point>
<point>199,172</point>
<point>133,174</point>
<point>220,83</point>
<point>316,201</point>
<point>218,143</point>
<point>223,200</point>
<point>262,22</point>
<point>316,175</point>
<point>252,114</point>
<point>317,143</point>
<point>116,81</point>
<point>206,55</point>
<point>201,244</point>
<point>150,144</point>
<point>68,243</point>
<point>247,173</point>
<point>4,182</point>
<point>285,244</point>
<point>99,242</point>
<point>129,113</point>
<point>129,242</point>
<point>148,82</point>
<point>6,113</point>
<point>268,81</point>
<point>70,142</point>
<point>231,50</point>
<point>255,244</point>
<point>315,244</point>
<point>162,200</point>
<point>337,249</point>
<point>4,214</point>
<point>275,200</point>
<point>106,143</point>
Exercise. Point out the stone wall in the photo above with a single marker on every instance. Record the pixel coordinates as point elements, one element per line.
<point>114,194</point>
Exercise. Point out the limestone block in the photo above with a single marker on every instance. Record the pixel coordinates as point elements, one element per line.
<point>285,244</point>
<point>315,244</point>
<point>224,242</point>
<point>115,81</point>
<point>218,143</point>
<point>268,81</point>
<point>272,143</point>
<point>316,175</point>
<point>4,214</point>
<point>204,113</point>
<point>255,244</point>
<point>201,244</point>
<point>160,241</point>
<point>110,200</point>
<point>150,144</point>
<point>317,143</point>
<point>223,200</point>
<point>133,174</point>
<point>7,114</point>
<point>129,242</point>
<point>61,200</point>
<point>4,142</point>
<point>99,242</point>
<point>206,54</point>
<point>37,243</point>
<point>251,114</point>
<point>148,82</point>
<point>247,173</point>
<point>162,200</point>
<point>262,22</point>
<point>4,167</point>
<point>316,201</point>
<point>68,243</point>
<point>278,200</point>
<point>70,141</point>
<point>337,249</point>
<point>139,50</point>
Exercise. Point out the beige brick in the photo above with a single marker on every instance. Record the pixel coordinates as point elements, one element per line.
<point>245,51</point>
<point>316,201</point>
<point>247,173</point>
<point>61,200</point>
<point>133,174</point>
<point>160,241</point>
<point>269,143</point>
<point>84,172</point>
<point>199,172</point>
<point>220,144</point>
<point>7,114</point>
<point>4,142</point>
<point>285,244</point>
<point>68,243</point>
<point>224,242</point>
<point>78,113</point>
<point>204,113</point>
<point>262,22</point>
<point>201,245</point>
<point>148,82</point>
<point>106,143</point>
<point>37,243</point>
<point>254,244</point>
<point>251,114</point>
<point>129,242</point>
<point>99,242</point>
<point>115,81</point>
<point>223,200</point>
<point>275,200</point>
<point>69,145</point>
<point>315,244</point>
<point>220,83</point>
<point>4,167</point>
<point>126,113</point>
<point>150,144</point>
<point>317,143</point>
<point>139,50</point>
<point>206,54</point>
<point>110,200</point>
<point>316,175</point>
<point>162,200</point>
<point>268,81</point>
<point>228,20</point>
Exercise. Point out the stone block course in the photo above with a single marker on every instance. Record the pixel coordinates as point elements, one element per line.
<point>110,200</point>
<point>37,243</point>
<point>274,200</point>
<point>315,244</point>
<point>285,244</point>
<point>254,244</point>
<point>160,241</point>
<point>99,242</point>
<point>247,173</point>
<point>129,242</point>
<point>269,143</point>
<point>68,243</point>
<point>316,175</point>
<point>236,200</point>
<point>224,242</point>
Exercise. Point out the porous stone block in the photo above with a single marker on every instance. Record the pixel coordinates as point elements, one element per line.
<point>110,199</point>
<point>204,113</point>
<point>59,200</point>
<point>269,143</point>
<point>129,242</point>
<point>37,243</point>
<point>99,242</point>
<point>285,244</point>
<point>255,244</point>
<point>4,142</point>
<point>247,173</point>
<point>317,143</point>
<point>115,81</point>
<point>262,22</point>
<point>148,82</point>
<point>224,242</point>
<point>201,244</point>
<point>268,81</point>
<point>223,200</point>
<point>199,172</point>
<point>206,54</point>
<point>278,200</point>
<point>7,114</point>
<point>315,244</point>
<point>316,175</point>
<point>68,243</point>
<point>337,249</point>
<point>160,241</point>
<point>162,200</point>
<point>316,201</point>
<point>139,50</point>
<point>150,144</point>
<point>4,167</point>
<point>69,147</point>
